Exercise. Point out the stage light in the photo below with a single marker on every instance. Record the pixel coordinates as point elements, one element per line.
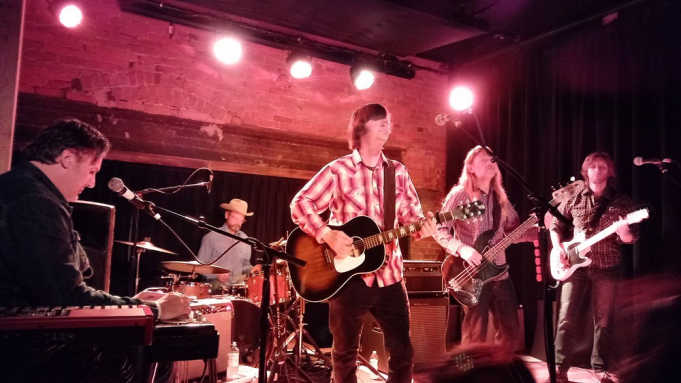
<point>68,12</point>
<point>461,98</point>
<point>363,78</point>
<point>300,64</point>
<point>228,50</point>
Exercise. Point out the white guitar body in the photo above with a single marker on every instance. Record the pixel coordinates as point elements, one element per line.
<point>562,268</point>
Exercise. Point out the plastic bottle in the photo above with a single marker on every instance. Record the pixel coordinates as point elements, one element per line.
<point>373,361</point>
<point>232,362</point>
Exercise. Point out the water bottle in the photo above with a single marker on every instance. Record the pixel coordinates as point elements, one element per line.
<point>373,361</point>
<point>232,362</point>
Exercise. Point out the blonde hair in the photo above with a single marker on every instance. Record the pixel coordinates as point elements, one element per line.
<point>468,181</point>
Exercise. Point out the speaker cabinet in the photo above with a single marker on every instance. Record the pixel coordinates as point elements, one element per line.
<point>223,324</point>
<point>429,326</point>
<point>94,222</point>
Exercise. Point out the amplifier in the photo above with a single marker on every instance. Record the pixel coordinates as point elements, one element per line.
<point>423,277</point>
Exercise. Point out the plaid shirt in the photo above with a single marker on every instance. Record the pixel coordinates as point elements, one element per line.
<point>466,232</point>
<point>349,189</point>
<point>582,207</point>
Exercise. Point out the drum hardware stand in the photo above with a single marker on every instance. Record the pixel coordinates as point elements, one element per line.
<point>138,255</point>
<point>284,322</point>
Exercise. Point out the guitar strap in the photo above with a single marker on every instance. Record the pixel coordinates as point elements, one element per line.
<point>496,211</point>
<point>389,196</point>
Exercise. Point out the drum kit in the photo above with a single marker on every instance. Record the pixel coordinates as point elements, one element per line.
<point>285,312</point>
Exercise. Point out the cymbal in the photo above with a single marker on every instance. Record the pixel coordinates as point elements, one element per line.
<point>146,245</point>
<point>193,267</point>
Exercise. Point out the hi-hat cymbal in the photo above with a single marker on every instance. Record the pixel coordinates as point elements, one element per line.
<point>147,246</point>
<point>193,267</point>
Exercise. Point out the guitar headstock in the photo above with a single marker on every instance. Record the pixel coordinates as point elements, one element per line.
<point>637,216</point>
<point>471,209</point>
<point>563,194</point>
<point>464,211</point>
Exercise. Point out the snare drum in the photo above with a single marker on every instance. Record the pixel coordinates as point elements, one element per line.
<point>280,284</point>
<point>193,289</point>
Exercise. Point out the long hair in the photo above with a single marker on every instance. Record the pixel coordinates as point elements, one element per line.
<point>360,117</point>
<point>468,181</point>
<point>62,135</point>
<point>605,157</point>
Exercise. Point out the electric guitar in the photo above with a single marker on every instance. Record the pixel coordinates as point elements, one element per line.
<point>324,274</point>
<point>465,281</point>
<point>579,246</point>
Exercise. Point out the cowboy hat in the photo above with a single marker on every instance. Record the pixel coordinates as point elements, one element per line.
<point>237,205</point>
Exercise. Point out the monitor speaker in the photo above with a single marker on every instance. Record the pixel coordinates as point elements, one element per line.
<point>429,327</point>
<point>94,222</point>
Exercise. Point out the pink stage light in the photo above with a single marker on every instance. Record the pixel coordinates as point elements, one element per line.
<point>461,98</point>
<point>70,16</point>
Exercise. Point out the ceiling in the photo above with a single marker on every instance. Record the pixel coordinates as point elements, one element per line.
<point>444,31</point>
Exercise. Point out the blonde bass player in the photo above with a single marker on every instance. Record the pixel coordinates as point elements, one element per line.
<point>592,211</point>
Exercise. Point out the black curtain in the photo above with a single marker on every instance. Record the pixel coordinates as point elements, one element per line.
<point>545,106</point>
<point>267,197</point>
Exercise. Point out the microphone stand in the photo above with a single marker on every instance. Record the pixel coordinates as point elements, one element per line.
<point>266,259</point>
<point>541,208</point>
<point>172,189</point>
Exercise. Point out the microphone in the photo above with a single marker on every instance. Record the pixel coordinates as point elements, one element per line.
<point>638,161</point>
<point>442,119</point>
<point>117,186</point>
<point>209,185</point>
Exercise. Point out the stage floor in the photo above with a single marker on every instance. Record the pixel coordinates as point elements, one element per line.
<point>537,368</point>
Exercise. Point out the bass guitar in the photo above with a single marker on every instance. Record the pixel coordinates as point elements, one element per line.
<point>324,274</point>
<point>576,249</point>
<point>465,281</point>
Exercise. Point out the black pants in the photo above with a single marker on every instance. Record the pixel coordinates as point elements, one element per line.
<point>602,285</point>
<point>497,297</point>
<point>390,308</point>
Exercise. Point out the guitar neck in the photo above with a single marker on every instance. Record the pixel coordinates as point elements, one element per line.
<point>403,231</point>
<point>507,241</point>
<point>501,246</point>
<point>598,237</point>
<point>391,235</point>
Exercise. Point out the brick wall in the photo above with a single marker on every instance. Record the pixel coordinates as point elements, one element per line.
<point>127,61</point>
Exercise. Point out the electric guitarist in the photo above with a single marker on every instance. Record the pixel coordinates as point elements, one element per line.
<point>594,209</point>
<point>351,186</point>
<point>480,179</point>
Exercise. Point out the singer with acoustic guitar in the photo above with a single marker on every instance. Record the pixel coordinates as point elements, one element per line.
<point>593,210</point>
<point>350,187</point>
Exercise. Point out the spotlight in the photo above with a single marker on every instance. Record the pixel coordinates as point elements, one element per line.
<point>362,77</point>
<point>69,13</point>
<point>228,50</point>
<point>300,65</point>
<point>461,98</point>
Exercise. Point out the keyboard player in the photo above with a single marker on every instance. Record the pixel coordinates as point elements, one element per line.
<point>41,261</point>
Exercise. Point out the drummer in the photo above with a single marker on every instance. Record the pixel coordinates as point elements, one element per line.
<point>237,255</point>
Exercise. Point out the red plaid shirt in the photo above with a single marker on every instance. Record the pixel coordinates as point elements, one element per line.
<point>466,232</point>
<point>580,209</point>
<point>349,189</point>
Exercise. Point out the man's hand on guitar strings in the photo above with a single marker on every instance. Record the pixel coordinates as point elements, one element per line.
<point>469,255</point>
<point>339,242</point>
<point>429,227</point>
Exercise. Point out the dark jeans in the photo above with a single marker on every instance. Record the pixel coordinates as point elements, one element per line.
<point>390,308</point>
<point>497,297</point>
<point>602,285</point>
